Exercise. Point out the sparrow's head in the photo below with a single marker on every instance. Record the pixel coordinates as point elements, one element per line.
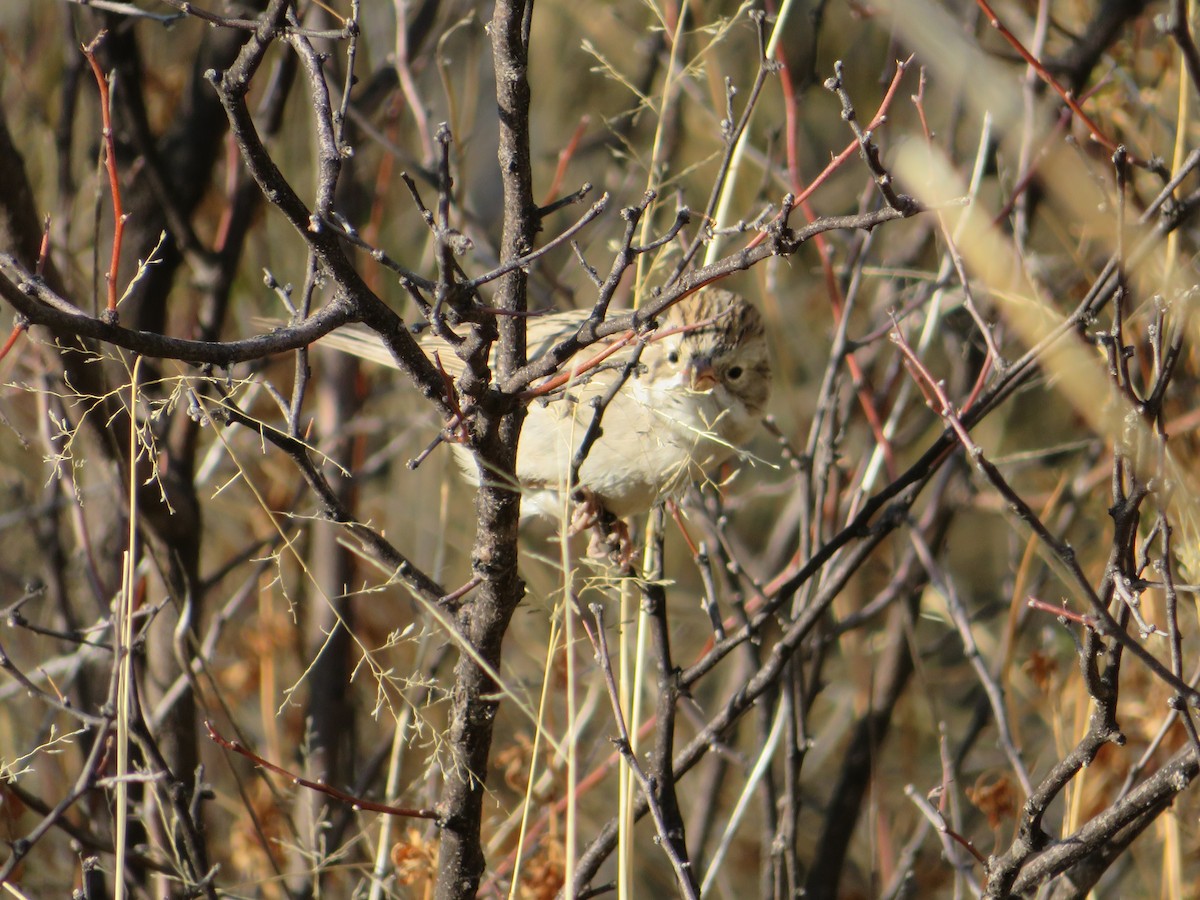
<point>720,346</point>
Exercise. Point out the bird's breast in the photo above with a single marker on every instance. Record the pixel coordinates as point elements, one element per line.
<point>653,440</point>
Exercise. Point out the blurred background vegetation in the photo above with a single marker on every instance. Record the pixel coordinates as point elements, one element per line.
<point>877,753</point>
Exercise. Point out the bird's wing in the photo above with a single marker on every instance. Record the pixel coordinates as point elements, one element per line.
<point>543,333</point>
<point>362,342</point>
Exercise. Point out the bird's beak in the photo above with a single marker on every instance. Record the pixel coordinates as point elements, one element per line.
<point>701,377</point>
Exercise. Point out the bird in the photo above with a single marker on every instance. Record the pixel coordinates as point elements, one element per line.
<point>691,399</point>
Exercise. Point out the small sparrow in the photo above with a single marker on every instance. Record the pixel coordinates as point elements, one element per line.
<point>692,401</point>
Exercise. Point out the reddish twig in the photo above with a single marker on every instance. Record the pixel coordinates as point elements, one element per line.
<point>564,159</point>
<point>837,161</point>
<point>110,163</point>
<point>12,339</point>
<point>357,802</point>
<point>824,251</point>
<point>1105,623</point>
<point>561,378</point>
<point>1029,175</point>
<point>1034,63</point>
<point>43,249</point>
<point>457,594</point>
<point>572,372</point>
<point>677,515</point>
<point>1062,612</point>
<point>939,823</point>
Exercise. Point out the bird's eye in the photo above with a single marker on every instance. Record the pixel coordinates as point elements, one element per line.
<point>673,357</point>
<point>734,373</point>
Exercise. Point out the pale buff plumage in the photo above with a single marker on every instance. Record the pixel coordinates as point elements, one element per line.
<point>693,402</point>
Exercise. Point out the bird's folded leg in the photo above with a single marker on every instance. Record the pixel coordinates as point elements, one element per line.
<point>610,535</point>
<point>588,512</point>
<point>611,539</point>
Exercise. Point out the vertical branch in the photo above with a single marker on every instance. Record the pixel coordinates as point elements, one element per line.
<point>510,49</point>
<point>662,773</point>
<point>484,620</point>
